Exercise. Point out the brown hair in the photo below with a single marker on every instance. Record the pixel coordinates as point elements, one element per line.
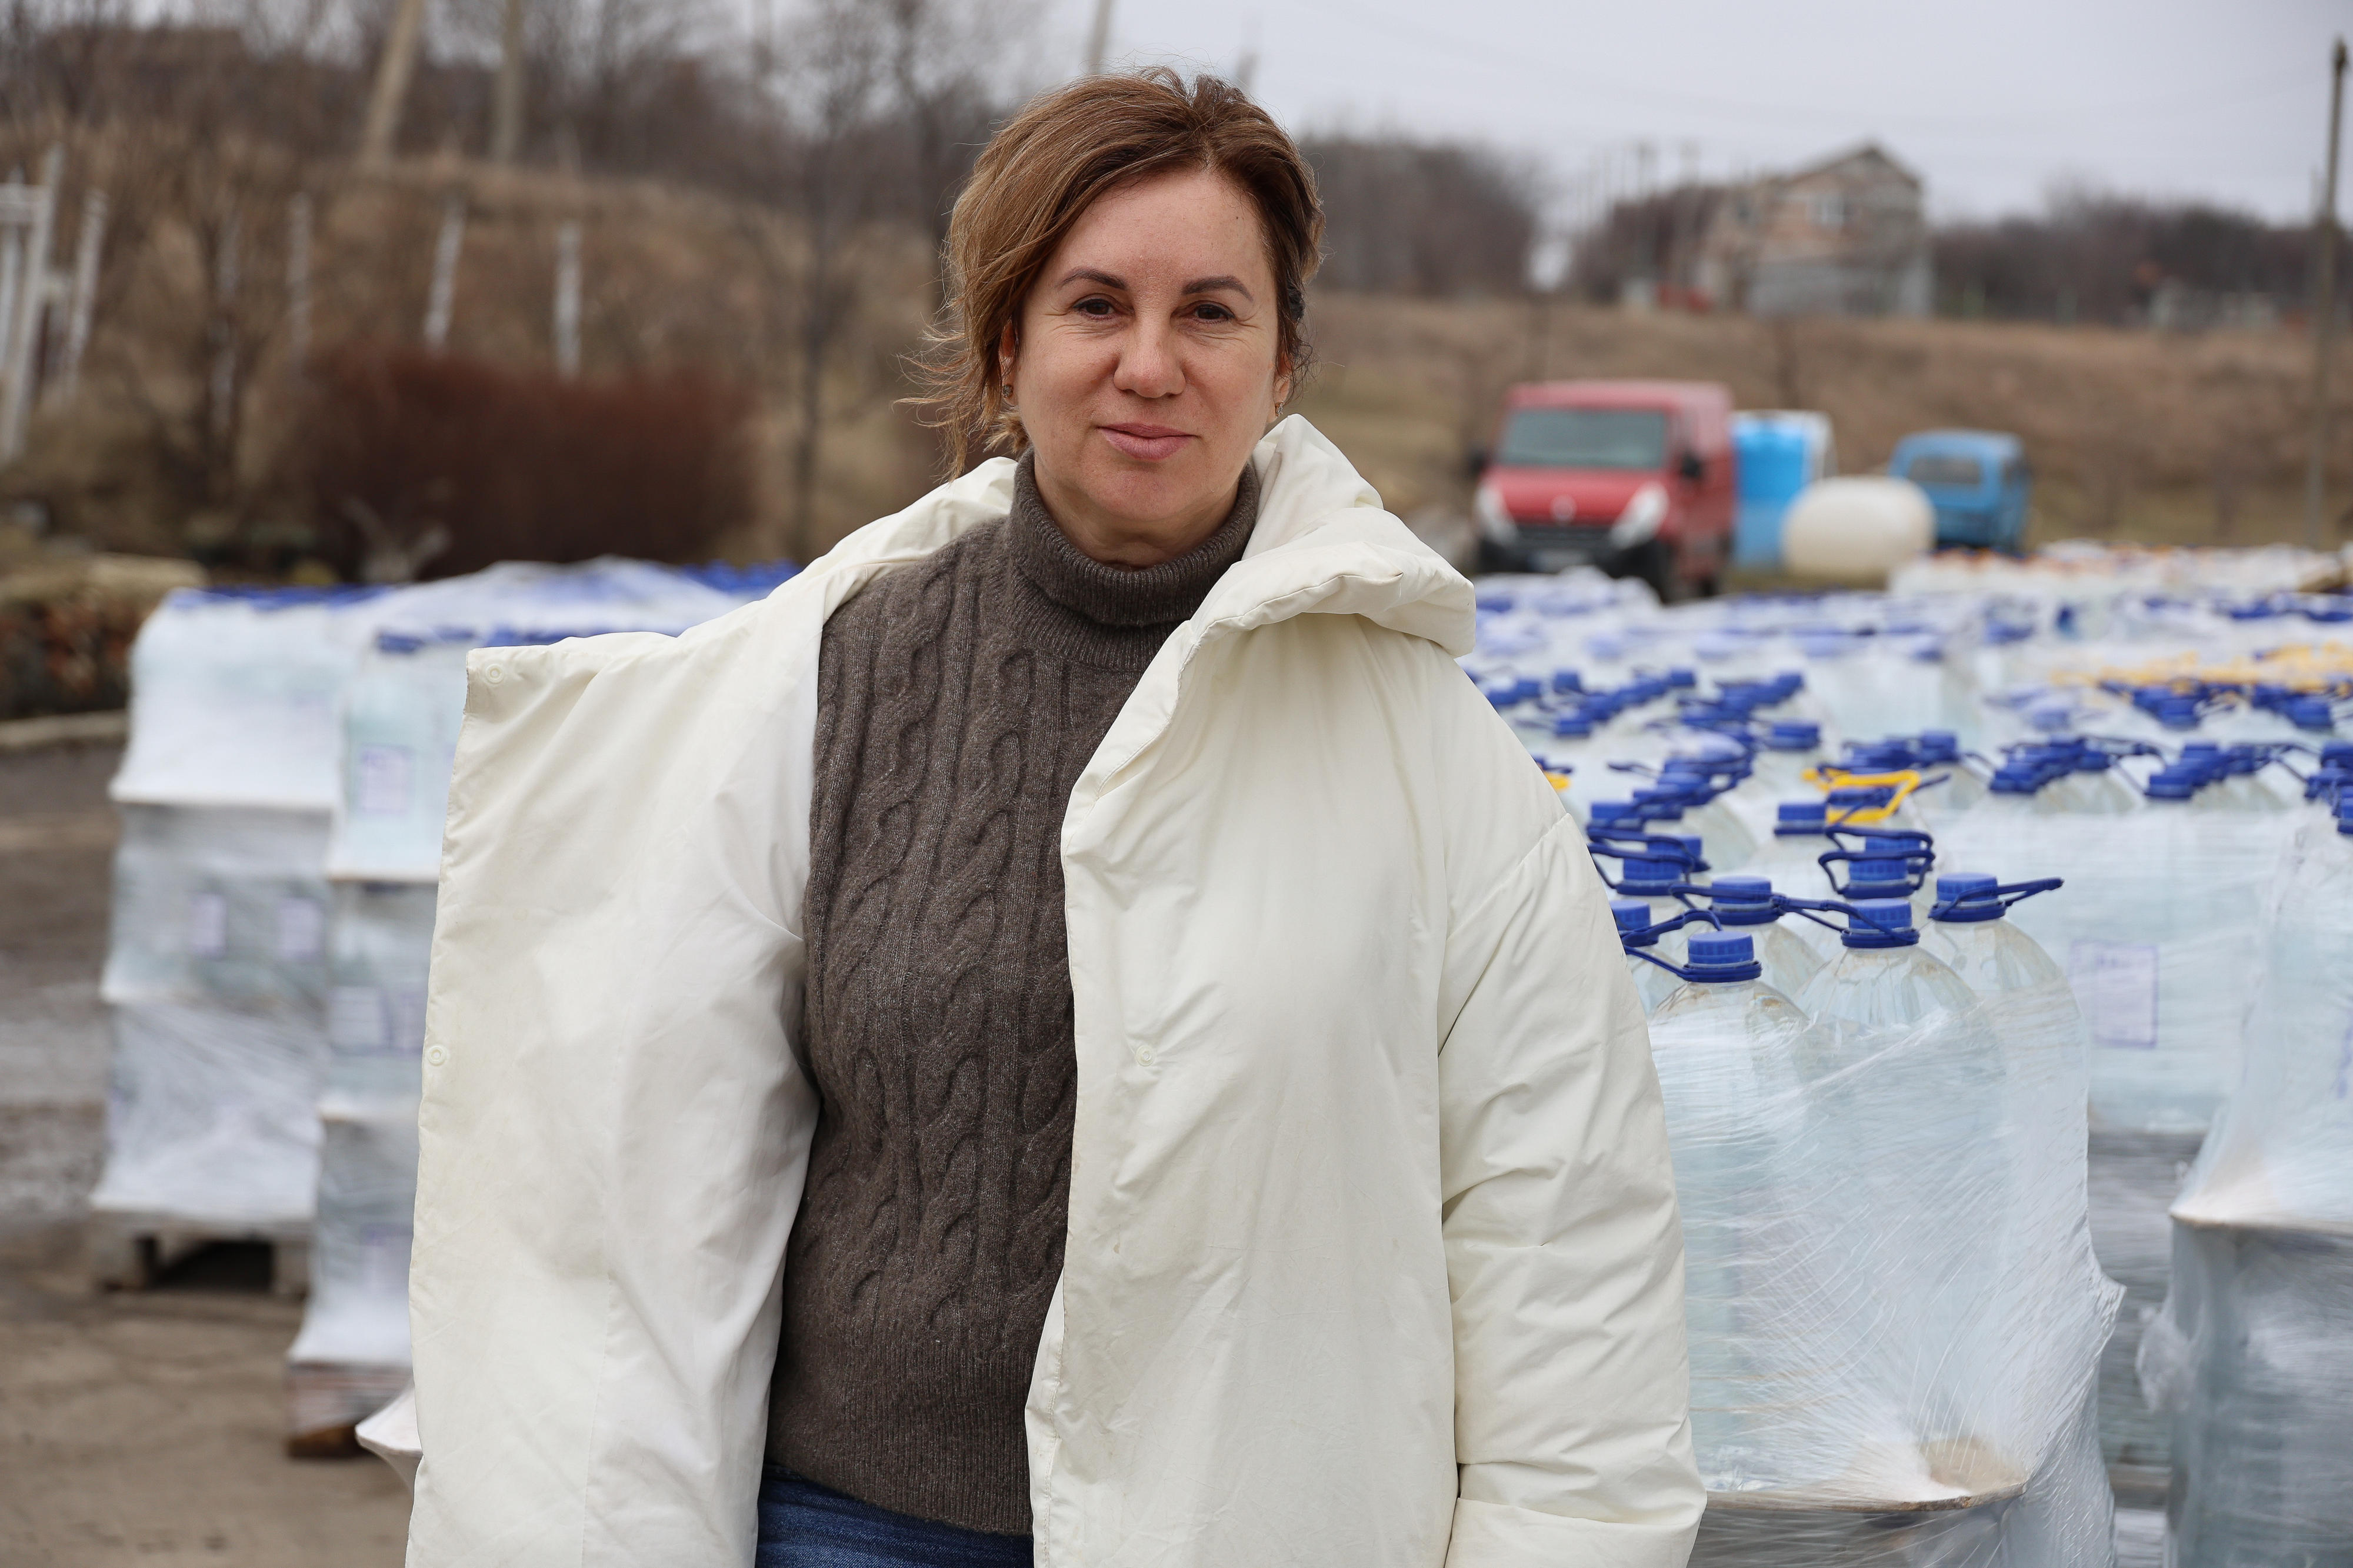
<point>1041,171</point>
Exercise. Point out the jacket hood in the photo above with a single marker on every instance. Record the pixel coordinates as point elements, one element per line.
<point>1322,545</point>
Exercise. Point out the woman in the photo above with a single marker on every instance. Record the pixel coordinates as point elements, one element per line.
<point>1069,1032</point>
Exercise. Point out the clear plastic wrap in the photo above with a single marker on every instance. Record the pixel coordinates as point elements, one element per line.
<point>406,696</point>
<point>212,1116</point>
<point>401,715</point>
<point>1893,1313</point>
<point>220,903</point>
<point>358,1313</point>
<point>354,1345</point>
<point>216,972</point>
<point>2159,930</point>
<point>382,954</point>
<point>2251,1355</point>
<point>233,696</point>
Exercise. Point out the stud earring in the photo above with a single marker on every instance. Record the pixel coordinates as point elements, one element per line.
<point>1007,390</point>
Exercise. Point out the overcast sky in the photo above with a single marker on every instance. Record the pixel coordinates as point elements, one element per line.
<point>1991,101</point>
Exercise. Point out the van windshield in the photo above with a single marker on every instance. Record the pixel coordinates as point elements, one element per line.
<point>1948,469</point>
<point>1585,438</point>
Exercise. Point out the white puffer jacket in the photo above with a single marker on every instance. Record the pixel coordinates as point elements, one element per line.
<point>1373,1256</point>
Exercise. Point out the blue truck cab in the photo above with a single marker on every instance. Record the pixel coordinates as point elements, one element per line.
<point>1976,480</point>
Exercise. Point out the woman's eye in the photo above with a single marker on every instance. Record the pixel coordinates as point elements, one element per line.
<point>1209,311</point>
<point>1094,305</point>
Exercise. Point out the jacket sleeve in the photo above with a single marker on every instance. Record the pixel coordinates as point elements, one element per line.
<point>1564,1249</point>
<point>613,1131</point>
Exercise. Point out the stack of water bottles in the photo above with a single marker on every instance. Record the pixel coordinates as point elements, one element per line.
<point>2171,856</point>
<point>399,716</point>
<point>1894,1314</point>
<point>216,968</point>
<point>2251,1355</point>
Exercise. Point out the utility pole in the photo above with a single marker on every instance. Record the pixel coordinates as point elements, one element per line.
<point>506,116</point>
<point>2324,310</point>
<point>1099,41</point>
<point>392,72</point>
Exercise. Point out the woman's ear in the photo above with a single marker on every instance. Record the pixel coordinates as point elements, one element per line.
<point>1008,345</point>
<point>1282,383</point>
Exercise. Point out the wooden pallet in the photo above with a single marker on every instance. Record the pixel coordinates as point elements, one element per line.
<point>128,1251</point>
<point>326,1401</point>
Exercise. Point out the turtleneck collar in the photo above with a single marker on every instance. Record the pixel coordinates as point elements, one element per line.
<point>1158,595</point>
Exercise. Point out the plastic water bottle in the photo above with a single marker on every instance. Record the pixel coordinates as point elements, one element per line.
<point>2102,788</point>
<point>2284,1144</point>
<point>1687,783</point>
<point>1791,859</point>
<point>2046,1084</point>
<point>1744,904</point>
<point>1941,750</point>
<point>1647,881</point>
<point>1652,983</point>
<point>1883,872</point>
<point>2249,1353</point>
<point>1908,1078</point>
<point>1767,1408</point>
<point>1790,749</point>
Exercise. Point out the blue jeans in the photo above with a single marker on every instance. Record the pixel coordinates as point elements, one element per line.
<point>805,1525</point>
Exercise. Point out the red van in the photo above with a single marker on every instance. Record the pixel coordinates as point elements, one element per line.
<point>1634,476</point>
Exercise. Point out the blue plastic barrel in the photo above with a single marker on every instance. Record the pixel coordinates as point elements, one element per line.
<point>1774,460</point>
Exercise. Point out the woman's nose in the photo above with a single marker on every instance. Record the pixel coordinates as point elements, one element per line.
<point>1148,363</point>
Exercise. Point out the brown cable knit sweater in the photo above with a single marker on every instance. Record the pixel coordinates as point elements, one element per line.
<point>959,700</point>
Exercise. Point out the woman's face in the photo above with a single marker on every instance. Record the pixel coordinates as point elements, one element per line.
<point>1146,365</point>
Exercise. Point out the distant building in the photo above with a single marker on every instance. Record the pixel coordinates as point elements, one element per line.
<point>1846,237</point>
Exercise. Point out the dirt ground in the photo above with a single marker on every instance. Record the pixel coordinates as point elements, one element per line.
<point>134,1426</point>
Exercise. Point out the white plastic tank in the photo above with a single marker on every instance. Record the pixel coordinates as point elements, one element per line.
<point>1857,530</point>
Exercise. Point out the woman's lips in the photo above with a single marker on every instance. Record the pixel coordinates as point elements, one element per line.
<point>1150,442</point>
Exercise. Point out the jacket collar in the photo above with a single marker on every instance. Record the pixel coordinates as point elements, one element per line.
<point>1322,545</point>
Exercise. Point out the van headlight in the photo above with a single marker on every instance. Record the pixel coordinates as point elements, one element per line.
<point>1638,523</point>
<point>1494,521</point>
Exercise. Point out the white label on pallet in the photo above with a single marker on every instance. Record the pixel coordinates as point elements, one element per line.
<point>2115,986</point>
<point>356,1019</point>
<point>302,929</point>
<point>382,787</point>
<point>207,924</point>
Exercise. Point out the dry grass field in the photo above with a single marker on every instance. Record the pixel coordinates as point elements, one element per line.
<point>2156,436</point>
<point>2141,434</point>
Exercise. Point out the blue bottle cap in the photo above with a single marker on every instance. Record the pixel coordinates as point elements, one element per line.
<point>1645,876</point>
<point>1880,923</point>
<point>1793,735</point>
<point>1878,880</point>
<point>1721,956</point>
<point>1631,914</point>
<point>1799,817</point>
<point>1742,900</point>
<point>1970,893</point>
<point>2016,778</point>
